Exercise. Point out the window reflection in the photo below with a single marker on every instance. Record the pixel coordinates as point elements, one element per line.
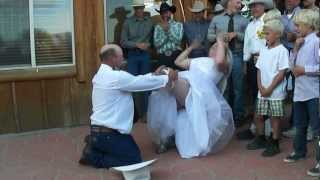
<point>14,33</point>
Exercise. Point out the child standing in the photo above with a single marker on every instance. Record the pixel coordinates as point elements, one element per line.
<point>305,65</point>
<point>272,65</point>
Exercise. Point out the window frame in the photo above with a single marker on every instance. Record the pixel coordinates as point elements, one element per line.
<point>33,67</point>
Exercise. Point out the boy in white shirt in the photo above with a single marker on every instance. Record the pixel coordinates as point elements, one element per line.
<point>272,64</point>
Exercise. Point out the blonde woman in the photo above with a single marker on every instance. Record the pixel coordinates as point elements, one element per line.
<point>194,111</point>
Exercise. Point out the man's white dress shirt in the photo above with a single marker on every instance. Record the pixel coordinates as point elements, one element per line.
<point>111,96</point>
<point>252,43</point>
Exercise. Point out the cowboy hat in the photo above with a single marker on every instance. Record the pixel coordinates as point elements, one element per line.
<point>198,6</point>
<point>138,3</point>
<point>120,11</point>
<point>218,9</point>
<point>268,4</point>
<point>166,7</point>
<point>140,171</point>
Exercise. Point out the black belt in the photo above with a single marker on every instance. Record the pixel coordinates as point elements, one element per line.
<point>100,129</point>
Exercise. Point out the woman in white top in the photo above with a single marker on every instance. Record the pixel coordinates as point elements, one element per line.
<point>194,110</point>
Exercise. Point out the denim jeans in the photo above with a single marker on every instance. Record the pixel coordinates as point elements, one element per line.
<point>169,60</point>
<point>110,149</point>
<point>252,79</point>
<point>305,113</point>
<point>139,63</point>
<point>234,92</point>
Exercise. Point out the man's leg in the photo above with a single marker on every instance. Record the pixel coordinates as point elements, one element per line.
<point>113,149</point>
<point>237,77</point>
<point>144,69</point>
<point>133,64</point>
<point>252,83</point>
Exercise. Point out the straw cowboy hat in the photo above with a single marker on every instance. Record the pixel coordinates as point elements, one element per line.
<point>138,3</point>
<point>218,9</point>
<point>166,7</point>
<point>140,171</point>
<point>268,4</point>
<point>198,6</point>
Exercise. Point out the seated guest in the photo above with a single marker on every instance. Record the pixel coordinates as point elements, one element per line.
<point>196,30</point>
<point>110,143</point>
<point>167,36</point>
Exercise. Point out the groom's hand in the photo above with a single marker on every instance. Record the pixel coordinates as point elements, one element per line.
<point>159,70</point>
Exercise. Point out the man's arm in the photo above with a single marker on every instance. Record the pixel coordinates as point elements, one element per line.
<point>130,83</point>
<point>313,69</point>
<point>125,42</point>
<point>244,23</point>
<point>275,82</point>
<point>246,52</point>
<point>211,36</point>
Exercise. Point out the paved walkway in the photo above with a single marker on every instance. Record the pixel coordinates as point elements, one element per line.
<point>53,155</point>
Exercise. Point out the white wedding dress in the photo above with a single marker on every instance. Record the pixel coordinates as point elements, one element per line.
<point>205,125</point>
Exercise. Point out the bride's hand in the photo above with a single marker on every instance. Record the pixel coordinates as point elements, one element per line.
<point>195,44</point>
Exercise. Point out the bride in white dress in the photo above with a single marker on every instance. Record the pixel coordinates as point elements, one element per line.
<point>194,111</point>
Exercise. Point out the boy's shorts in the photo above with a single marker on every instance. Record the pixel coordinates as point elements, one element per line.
<point>273,108</point>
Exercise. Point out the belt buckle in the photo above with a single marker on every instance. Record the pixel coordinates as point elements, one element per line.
<point>168,53</point>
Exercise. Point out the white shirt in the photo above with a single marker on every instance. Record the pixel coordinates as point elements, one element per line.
<point>252,43</point>
<point>112,100</point>
<point>270,63</point>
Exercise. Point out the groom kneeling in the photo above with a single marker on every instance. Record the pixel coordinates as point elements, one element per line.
<point>110,143</point>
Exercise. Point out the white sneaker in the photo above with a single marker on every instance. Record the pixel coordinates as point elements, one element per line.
<point>290,133</point>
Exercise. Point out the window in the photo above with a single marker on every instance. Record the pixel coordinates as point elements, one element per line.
<point>36,33</point>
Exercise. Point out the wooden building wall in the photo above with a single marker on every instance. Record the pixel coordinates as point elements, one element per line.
<point>60,98</point>
<point>29,102</point>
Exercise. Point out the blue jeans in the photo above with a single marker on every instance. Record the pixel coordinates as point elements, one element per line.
<point>110,149</point>
<point>305,113</point>
<point>234,91</point>
<point>139,63</point>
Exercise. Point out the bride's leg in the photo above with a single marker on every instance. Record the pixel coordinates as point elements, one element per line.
<point>180,91</point>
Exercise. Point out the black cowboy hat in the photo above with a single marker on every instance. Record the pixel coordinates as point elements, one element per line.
<point>166,7</point>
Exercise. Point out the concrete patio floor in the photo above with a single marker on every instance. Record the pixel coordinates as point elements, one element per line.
<point>53,155</point>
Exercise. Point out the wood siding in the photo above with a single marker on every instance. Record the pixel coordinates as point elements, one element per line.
<point>31,102</point>
<point>57,102</point>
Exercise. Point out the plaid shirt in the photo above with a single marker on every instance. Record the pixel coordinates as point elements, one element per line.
<point>168,42</point>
